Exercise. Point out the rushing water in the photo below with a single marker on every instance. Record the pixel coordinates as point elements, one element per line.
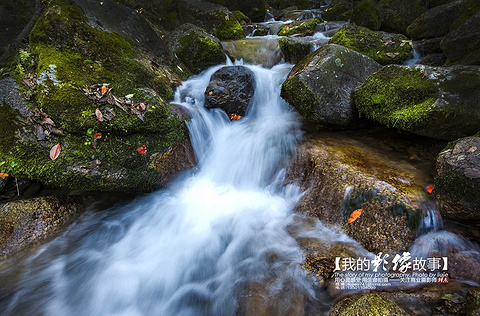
<point>191,249</point>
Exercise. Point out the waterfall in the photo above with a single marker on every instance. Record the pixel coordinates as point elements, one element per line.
<point>194,248</point>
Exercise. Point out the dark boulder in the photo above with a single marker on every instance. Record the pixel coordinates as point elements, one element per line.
<point>462,46</point>
<point>319,86</point>
<point>367,14</point>
<point>397,15</point>
<point>435,22</point>
<point>231,89</point>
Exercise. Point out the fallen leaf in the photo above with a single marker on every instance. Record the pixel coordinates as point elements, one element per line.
<point>143,106</point>
<point>104,89</point>
<point>235,117</point>
<point>355,214</point>
<point>97,135</point>
<point>99,115</point>
<point>55,151</point>
<point>3,175</point>
<point>472,149</point>
<point>210,93</point>
<point>142,150</point>
<point>429,188</point>
<point>392,55</point>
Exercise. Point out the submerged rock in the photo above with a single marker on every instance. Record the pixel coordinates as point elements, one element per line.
<point>197,49</point>
<point>435,22</point>
<point>26,222</point>
<point>319,86</point>
<point>385,48</point>
<point>462,46</point>
<point>438,102</point>
<point>231,89</point>
<point>458,180</point>
<point>372,304</point>
<point>339,176</point>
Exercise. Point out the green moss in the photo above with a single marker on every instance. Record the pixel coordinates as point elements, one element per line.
<point>383,47</point>
<point>240,17</point>
<point>339,10</point>
<point>372,304</point>
<point>302,27</point>
<point>229,29</point>
<point>459,187</point>
<point>294,51</point>
<point>367,14</point>
<point>199,52</point>
<point>396,97</point>
<point>295,90</point>
<point>8,126</point>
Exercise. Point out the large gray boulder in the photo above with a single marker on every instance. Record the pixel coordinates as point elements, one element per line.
<point>438,102</point>
<point>435,22</point>
<point>462,46</point>
<point>231,89</point>
<point>319,86</point>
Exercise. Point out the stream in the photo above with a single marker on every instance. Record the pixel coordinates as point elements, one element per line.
<point>203,245</point>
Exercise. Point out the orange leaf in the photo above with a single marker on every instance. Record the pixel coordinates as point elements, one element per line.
<point>142,150</point>
<point>210,93</point>
<point>234,117</point>
<point>355,214</point>
<point>104,89</point>
<point>97,135</point>
<point>99,115</point>
<point>3,175</point>
<point>55,151</point>
<point>430,188</point>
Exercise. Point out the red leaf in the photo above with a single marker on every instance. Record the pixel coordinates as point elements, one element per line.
<point>142,150</point>
<point>430,188</point>
<point>355,214</point>
<point>234,117</point>
<point>99,115</point>
<point>142,105</point>
<point>97,135</point>
<point>55,151</point>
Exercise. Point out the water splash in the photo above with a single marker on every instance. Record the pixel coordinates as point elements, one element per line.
<point>192,249</point>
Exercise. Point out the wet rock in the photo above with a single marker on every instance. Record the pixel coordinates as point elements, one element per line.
<point>319,86</point>
<point>294,50</point>
<point>458,179</point>
<point>339,177</point>
<point>438,102</point>
<point>231,89</point>
<point>26,222</point>
<point>397,15</point>
<point>307,27</point>
<point>433,60</point>
<point>384,48</point>
<point>428,46</point>
<point>197,49</point>
<point>367,14</point>
<point>472,304</point>
<point>374,304</point>
<point>435,22</point>
<point>462,46</point>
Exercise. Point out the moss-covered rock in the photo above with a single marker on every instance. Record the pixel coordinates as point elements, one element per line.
<point>472,304</point>
<point>197,49</point>
<point>462,46</point>
<point>435,22</point>
<point>300,27</point>
<point>458,179</point>
<point>430,101</point>
<point>253,9</point>
<point>469,8</point>
<point>340,10</point>
<point>384,48</point>
<point>367,13</point>
<point>397,15</point>
<point>214,18</point>
<point>319,86</point>
<point>67,54</point>
<point>372,304</point>
<point>294,50</point>
<point>26,222</point>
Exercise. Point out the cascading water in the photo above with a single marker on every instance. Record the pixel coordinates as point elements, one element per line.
<point>194,248</point>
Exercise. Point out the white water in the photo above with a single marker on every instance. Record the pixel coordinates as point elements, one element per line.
<point>194,248</point>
